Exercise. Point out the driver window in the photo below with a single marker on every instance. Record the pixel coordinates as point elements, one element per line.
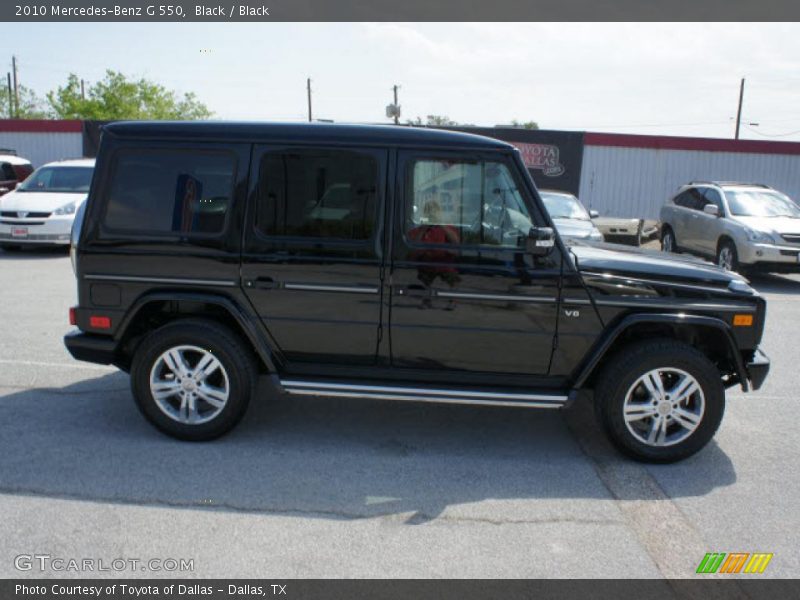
<point>464,202</point>
<point>712,197</point>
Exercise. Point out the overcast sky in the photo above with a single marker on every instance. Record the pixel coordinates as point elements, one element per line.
<point>672,79</point>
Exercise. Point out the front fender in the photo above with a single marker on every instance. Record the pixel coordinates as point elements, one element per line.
<point>604,344</point>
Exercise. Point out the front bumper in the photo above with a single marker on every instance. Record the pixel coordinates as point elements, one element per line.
<point>92,348</point>
<point>52,230</point>
<point>757,369</point>
<point>770,256</point>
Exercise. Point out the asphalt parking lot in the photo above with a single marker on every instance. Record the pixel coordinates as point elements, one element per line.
<point>349,488</point>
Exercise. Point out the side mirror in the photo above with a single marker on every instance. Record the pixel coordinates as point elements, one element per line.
<point>711,209</point>
<point>593,214</point>
<point>541,241</point>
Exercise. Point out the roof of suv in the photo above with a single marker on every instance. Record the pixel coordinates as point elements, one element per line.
<point>302,132</point>
<point>726,184</point>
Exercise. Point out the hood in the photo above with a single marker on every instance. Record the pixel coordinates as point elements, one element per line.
<point>575,228</point>
<point>38,201</point>
<point>650,264</point>
<point>770,224</point>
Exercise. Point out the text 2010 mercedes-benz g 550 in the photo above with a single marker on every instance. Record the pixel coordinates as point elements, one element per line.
<point>392,263</point>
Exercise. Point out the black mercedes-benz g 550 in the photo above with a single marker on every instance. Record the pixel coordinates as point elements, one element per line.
<point>392,263</point>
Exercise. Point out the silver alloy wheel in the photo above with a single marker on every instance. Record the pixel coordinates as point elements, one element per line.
<point>668,242</point>
<point>189,384</point>
<point>664,407</point>
<point>726,258</point>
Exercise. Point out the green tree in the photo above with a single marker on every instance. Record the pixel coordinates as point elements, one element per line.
<point>31,106</point>
<point>434,121</point>
<point>525,125</point>
<point>117,97</point>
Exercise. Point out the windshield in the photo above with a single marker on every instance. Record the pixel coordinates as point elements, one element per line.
<point>761,203</point>
<point>564,206</point>
<point>58,179</point>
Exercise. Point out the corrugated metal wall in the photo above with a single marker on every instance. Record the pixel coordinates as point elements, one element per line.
<point>621,175</point>
<point>635,182</point>
<point>43,146</point>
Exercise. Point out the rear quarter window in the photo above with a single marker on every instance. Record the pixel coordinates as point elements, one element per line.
<point>169,191</point>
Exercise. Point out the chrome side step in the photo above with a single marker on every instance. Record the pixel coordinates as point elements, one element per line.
<point>416,394</point>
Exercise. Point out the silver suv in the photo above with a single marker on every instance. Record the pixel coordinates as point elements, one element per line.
<point>741,226</point>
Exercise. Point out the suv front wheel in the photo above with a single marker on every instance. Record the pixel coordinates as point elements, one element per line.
<point>193,379</point>
<point>660,401</point>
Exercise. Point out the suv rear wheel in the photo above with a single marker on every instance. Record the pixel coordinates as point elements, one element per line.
<point>193,379</point>
<point>727,257</point>
<point>668,243</point>
<point>660,401</point>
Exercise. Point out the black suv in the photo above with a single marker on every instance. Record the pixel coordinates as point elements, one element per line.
<point>391,263</point>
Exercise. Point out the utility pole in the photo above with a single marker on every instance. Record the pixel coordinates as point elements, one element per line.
<point>16,86</point>
<point>83,91</point>
<point>396,112</point>
<point>308,87</point>
<point>739,112</point>
<point>10,96</point>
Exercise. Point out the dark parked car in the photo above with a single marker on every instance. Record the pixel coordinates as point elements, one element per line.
<point>389,263</point>
<point>13,170</point>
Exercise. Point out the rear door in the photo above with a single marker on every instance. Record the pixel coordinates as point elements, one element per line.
<point>312,260</point>
<point>689,231</point>
<point>465,297</point>
<point>681,216</point>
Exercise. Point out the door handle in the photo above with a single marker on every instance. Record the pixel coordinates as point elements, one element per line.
<point>261,283</point>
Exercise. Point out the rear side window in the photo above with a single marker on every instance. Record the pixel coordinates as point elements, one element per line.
<point>170,191</point>
<point>691,198</point>
<point>682,199</point>
<point>317,194</point>
<point>698,199</point>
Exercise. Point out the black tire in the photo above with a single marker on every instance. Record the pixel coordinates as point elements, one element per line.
<point>728,246</point>
<point>237,362</point>
<point>666,245</point>
<point>9,247</point>
<point>634,361</point>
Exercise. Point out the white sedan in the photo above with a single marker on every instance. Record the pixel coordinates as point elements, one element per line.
<point>42,208</point>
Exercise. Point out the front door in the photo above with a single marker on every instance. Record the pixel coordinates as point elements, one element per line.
<point>465,296</point>
<point>696,221</point>
<point>710,226</point>
<point>312,258</point>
